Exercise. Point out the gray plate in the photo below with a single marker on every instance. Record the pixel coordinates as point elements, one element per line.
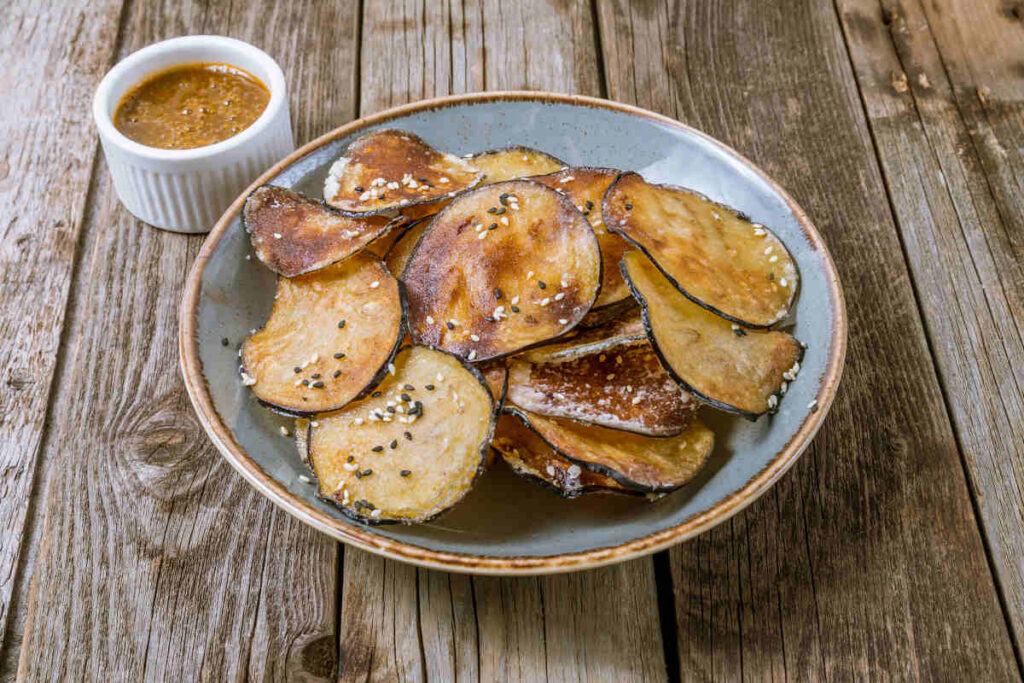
<point>505,516</point>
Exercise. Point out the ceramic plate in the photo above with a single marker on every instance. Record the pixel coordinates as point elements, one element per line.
<point>508,525</point>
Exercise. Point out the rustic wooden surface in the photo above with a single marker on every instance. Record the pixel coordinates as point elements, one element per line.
<point>130,551</point>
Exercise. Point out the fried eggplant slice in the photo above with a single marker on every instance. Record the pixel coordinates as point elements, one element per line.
<point>419,211</point>
<point>598,317</point>
<point>330,336</point>
<point>622,332</point>
<point>585,188</point>
<point>623,387</point>
<point>502,268</point>
<point>495,373</point>
<point>639,463</point>
<point>294,234</point>
<point>401,250</point>
<point>388,170</point>
<point>739,370</point>
<point>710,252</point>
<point>510,163</point>
<point>413,448</point>
<point>382,245</point>
<point>531,457</point>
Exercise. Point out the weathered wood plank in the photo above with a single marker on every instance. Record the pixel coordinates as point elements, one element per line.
<point>560,628</point>
<point>45,135</point>
<point>872,560</point>
<point>969,279</point>
<point>158,562</point>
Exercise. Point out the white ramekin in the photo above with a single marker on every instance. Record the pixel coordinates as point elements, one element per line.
<point>187,190</point>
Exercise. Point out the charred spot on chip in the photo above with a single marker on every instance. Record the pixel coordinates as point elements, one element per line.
<point>452,273</point>
<point>294,234</point>
<point>636,462</point>
<point>705,352</point>
<point>585,187</point>
<point>396,170</point>
<point>738,269</point>
<point>451,431</point>
<point>303,333</point>
<point>510,163</point>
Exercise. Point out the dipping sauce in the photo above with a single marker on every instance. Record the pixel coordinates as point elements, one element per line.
<point>191,105</point>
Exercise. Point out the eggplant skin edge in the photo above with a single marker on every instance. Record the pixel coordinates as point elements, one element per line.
<point>675,283</point>
<point>562,493</point>
<point>378,377</point>
<point>714,403</point>
<point>629,485</point>
<point>481,467</point>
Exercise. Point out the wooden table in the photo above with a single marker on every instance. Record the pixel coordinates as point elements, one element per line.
<point>129,550</point>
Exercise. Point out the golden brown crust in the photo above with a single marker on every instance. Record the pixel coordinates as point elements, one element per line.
<point>388,170</point>
<point>585,187</point>
<point>737,369</point>
<point>502,268</point>
<point>510,163</point>
<point>294,234</point>
<point>401,250</point>
<point>709,251</point>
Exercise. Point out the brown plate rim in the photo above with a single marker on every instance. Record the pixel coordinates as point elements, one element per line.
<point>365,539</point>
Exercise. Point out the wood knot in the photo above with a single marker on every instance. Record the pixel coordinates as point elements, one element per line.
<point>160,439</point>
<point>319,658</point>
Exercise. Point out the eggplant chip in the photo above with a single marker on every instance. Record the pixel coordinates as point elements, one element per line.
<point>496,375</point>
<point>330,336</point>
<point>382,245</point>
<point>415,213</point>
<point>623,387</point>
<point>585,187</point>
<point>387,170</point>
<point>502,268</point>
<point>401,250</point>
<point>510,163</point>
<point>294,234</point>
<point>598,317</point>
<point>622,332</point>
<point>739,370</point>
<point>710,252</point>
<point>413,448</point>
<point>531,457</point>
<point>639,463</point>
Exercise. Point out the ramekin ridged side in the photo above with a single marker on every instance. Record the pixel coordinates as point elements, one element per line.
<point>187,190</point>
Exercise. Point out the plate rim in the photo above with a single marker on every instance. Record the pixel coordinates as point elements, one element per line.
<point>220,434</point>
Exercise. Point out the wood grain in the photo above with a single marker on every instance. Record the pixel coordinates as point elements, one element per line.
<point>156,561</point>
<point>47,151</point>
<point>416,624</point>
<point>866,558</point>
<point>957,224</point>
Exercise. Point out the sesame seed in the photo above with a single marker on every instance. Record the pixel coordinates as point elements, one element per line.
<point>472,354</point>
<point>284,430</point>
<point>813,406</point>
<point>377,449</point>
<point>375,284</point>
<point>277,235</point>
<point>479,227</point>
<point>337,374</point>
<point>545,301</point>
<point>429,387</point>
<point>339,356</point>
<point>497,293</point>
<point>759,231</point>
<point>224,341</point>
<point>474,337</point>
<point>450,325</point>
<point>481,235</point>
<point>341,324</point>
<point>629,207</point>
<point>405,473</point>
<point>440,377</point>
<point>304,479</point>
<point>610,375</point>
<point>563,321</point>
<point>394,444</point>
<point>767,251</point>
<point>567,179</point>
<point>774,258</point>
<point>359,421</point>
<point>430,320</point>
<point>542,284</point>
<point>515,300</point>
<point>504,220</point>
<point>773,401</point>
<point>494,226</point>
<point>297,369</point>
<point>515,309</point>
<point>407,435</point>
<point>442,180</point>
<point>636,399</point>
<point>784,282</point>
<point>391,368</point>
<point>559,296</point>
<point>318,385</point>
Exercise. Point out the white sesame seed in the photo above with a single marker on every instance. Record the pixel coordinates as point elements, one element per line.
<point>574,470</point>
<point>454,322</point>
<point>479,227</point>
<point>430,320</point>
<point>314,423</point>
<point>567,179</point>
<point>375,513</point>
<point>440,377</point>
<point>767,251</point>
<point>350,466</point>
<point>442,180</point>
<point>284,431</point>
<point>358,421</point>
<point>375,284</point>
<point>773,401</point>
<point>247,380</point>
<point>304,479</point>
<point>812,405</point>
<point>526,158</point>
<point>735,327</point>
<point>784,282</point>
<point>314,358</point>
<point>774,258</point>
<point>391,368</point>
<point>472,354</point>
<point>717,217</point>
<point>563,321</point>
<point>559,296</point>
<point>529,275</point>
<point>482,235</point>
<point>759,231</point>
<point>277,235</point>
<point>610,375</point>
<point>636,399</point>
<point>504,220</point>
<point>474,337</point>
<point>545,301</point>
<point>515,300</point>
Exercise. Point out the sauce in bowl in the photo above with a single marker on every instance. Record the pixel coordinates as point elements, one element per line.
<point>191,105</point>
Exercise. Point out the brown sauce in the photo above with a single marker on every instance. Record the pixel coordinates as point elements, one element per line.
<point>192,105</point>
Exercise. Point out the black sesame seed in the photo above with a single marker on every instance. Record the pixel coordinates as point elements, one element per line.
<point>451,325</point>
<point>305,382</point>
<point>492,209</point>
<point>489,318</point>
<point>341,324</point>
<point>350,458</point>
<point>515,309</point>
<point>394,444</point>
<point>377,449</point>
<point>339,356</point>
<point>771,276</point>
<point>297,369</point>
<point>542,284</point>
<point>375,394</point>
<point>590,205</point>
<point>497,293</point>
<point>409,387</point>
<point>390,409</point>
<point>503,198</point>
<point>359,188</point>
<point>407,435</point>
<point>406,397</point>
<point>740,332</point>
<point>337,373</point>
<point>629,207</point>
<point>423,180</point>
<point>743,216</point>
<point>318,385</point>
<point>500,211</point>
<point>429,387</point>
<point>224,341</point>
<point>492,226</point>
<point>383,196</point>
<point>405,473</point>
<point>304,398</point>
<point>316,376</point>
